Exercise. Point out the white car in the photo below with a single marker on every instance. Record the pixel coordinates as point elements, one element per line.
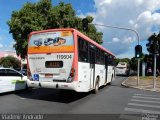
<point>122,69</point>
<point>11,80</point>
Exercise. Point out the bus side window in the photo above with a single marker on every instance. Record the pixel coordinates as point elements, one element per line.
<point>82,50</point>
<point>111,60</point>
<point>92,50</point>
<point>106,60</point>
<point>98,56</point>
<point>102,57</point>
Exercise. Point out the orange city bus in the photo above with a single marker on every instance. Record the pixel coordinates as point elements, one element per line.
<point>67,59</point>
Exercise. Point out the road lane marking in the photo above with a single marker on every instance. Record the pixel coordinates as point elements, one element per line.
<point>141,111</point>
<point>144,105</point>
<point>146,97</point>
<point>148,101</point>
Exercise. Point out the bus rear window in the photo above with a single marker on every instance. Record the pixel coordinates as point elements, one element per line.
<point>59,38</point>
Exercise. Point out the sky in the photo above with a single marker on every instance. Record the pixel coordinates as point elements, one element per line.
<point>140,15</point>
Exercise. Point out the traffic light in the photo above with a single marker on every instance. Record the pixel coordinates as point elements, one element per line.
<point>85,24</point>
<point>138,51</point>
<point>152,48</point>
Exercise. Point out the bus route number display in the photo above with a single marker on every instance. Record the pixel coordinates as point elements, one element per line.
<point>54,64</point>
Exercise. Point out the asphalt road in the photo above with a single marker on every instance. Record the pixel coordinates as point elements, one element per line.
<point>112,99</point>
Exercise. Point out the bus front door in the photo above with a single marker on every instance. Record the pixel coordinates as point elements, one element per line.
<point>92,66</point>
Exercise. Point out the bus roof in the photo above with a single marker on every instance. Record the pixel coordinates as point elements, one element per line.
<point>79,33</point>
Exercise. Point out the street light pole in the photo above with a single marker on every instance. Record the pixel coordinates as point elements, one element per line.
<point>138,38</point>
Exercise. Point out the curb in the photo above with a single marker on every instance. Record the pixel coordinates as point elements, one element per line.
<point>127,86</point>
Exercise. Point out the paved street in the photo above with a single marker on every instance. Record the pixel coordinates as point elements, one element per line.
<point>112,99</point>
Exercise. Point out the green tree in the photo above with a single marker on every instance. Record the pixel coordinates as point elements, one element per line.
<point>127,60</point>
<point>133,63</point>
<point>153,44</point>
<point>42,15</point>
<point>10,61</point>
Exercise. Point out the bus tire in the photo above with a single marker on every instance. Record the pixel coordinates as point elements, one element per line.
<point>96,86</point>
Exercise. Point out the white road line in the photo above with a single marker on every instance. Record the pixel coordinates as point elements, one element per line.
<point>147,101</point>
<point>146,97</point>
<point>141,111</point>
<point>130,117</point>
<point>144,105</point>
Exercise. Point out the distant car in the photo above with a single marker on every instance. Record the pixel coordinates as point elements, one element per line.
<point>11,80</point>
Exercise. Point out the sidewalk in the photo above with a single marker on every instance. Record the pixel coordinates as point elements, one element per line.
<point>145,83</point>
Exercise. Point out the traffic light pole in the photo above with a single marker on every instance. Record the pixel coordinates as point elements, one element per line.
<point>138,38</point>
<point>138,71</point>
<point>154,79</point>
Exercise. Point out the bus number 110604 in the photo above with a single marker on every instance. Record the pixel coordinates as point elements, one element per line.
<point>64,56</point>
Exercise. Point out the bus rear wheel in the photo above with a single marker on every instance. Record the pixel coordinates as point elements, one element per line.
<point>96,86</point>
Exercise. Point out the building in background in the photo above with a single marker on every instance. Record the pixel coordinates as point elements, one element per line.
<point>12,53</point>
<point>9,53</point>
